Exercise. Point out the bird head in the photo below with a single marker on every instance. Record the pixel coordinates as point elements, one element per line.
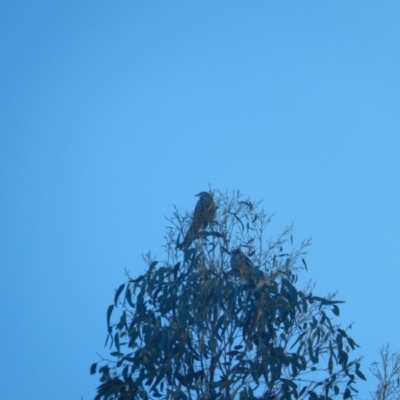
<point>203,194</point>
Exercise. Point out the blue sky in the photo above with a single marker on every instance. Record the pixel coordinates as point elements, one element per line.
<point>112,112</point>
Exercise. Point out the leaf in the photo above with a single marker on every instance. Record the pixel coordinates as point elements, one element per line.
<point>153,264</point>
<point>302,390</point>
<point>205,234</point>
<point>128,296</point>
<point>336,310</point>
<point>250,242</point>
<point>311,353</point>
<point>359,373</point>
<point>298,339</point>
<point>289,382</point>
<point>323,318</point>
<point>248,204</point>
<point>237,219</point>
<point>109,312</point>
<point>125,372</point>
<point>116,354</point>
<point>138,279</point>
<point>325,302</point>
<point>158,379</point>
<point>343,358</point>
<point>292,290</point>
<point>181,379</point>
<point>120,289</point>
<point>93,368</point>
<point>176,268</point>
<point>183,396</point>
<point>342,332</point>
<point>305,264</point>
<point>313,395</point>
<point>122,321</point>
<point>116,340</point>
<point>336,389</point>
<point>330,364</point>
<point>352,343</point>
<point>225,250</point>
<point>346,394</point>
<point>109,336</point>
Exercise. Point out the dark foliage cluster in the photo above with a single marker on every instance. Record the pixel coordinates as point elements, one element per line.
<point>191,327</point>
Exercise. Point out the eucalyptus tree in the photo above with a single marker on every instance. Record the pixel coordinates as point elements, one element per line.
<point>198,326</point>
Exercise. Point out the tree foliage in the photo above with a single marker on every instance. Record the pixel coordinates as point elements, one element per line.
<point>191,328</point>
<point>388,374</point>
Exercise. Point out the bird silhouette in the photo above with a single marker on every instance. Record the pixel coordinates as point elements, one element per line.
<point>241,264</point>
<point>204,214</point>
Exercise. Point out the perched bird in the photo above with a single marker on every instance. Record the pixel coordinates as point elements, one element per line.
<point>203,215</point>
<point>241,264</point>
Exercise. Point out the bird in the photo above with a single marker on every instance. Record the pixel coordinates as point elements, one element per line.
<point>204,215</point>
<point>240,264</point>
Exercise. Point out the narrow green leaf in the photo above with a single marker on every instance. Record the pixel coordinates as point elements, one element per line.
<point>237,219</point>
<point>205,234</point>
<point>331,302</point>
<point>330,365</point>
<point>248,204</point>
<point>176,268</point>
<point>116,354</point>
<point>225,250</point>
<point>343,358</point>
<point>128,296</point>
<point>109,312</point>
<point>159,378</point>
<point>116,340</point>
<point>125,373</point>
<point>352,343</point>
<point>109,336</point>
<point>122,321</point>
<point>325,302</point>
<point>361,375</point>
<point>250,242</point>
<point>138,279</point>
<point>120,289</point>
<point>298,339</point>
<point>310,352</point>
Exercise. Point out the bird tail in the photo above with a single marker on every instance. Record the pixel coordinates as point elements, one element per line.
<point>191,235</point>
